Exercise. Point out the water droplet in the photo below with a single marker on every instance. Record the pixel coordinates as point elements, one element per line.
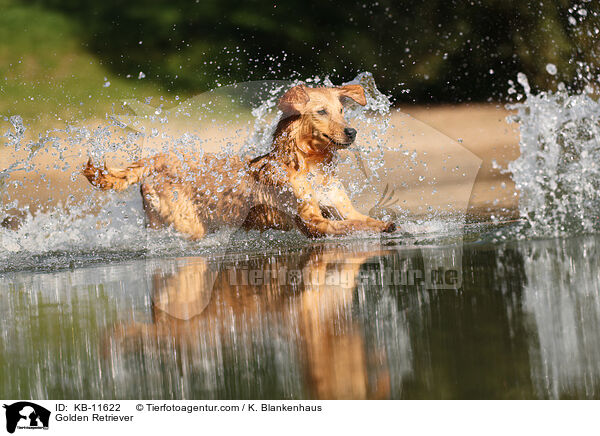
<point>551,68</point>
<point>522,79</point>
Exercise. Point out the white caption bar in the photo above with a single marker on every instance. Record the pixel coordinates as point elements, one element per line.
<point>297,417</point>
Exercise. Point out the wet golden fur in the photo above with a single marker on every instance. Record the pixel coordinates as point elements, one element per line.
<point>292,185</point>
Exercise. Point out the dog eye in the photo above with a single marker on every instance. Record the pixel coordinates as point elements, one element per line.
<point>322,112</point>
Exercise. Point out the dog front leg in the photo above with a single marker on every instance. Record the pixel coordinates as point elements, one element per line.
<point>343,204</point>
<point>312,223</point>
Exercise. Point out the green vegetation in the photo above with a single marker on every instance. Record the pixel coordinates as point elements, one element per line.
<point>46,71</point>
<point>57,55</point>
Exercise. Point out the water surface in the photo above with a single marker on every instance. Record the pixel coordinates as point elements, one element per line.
<point>345,319</point>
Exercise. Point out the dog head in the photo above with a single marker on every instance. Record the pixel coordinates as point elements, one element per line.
<point>320,114</point>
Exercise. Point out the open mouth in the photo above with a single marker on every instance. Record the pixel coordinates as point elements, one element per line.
<point>339,144</point>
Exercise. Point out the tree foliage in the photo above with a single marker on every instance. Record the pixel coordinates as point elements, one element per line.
<point>424,50</point>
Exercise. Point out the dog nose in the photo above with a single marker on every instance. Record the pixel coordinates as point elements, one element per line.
<point>350,133</point>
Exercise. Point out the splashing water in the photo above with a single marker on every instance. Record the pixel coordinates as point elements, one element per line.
<point>558,171</point>
<point>111,226</point>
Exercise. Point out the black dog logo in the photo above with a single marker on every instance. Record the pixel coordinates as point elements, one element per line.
<point>26,415</point>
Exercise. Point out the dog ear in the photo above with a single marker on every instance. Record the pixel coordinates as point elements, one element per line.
<point>355,92</point>
<point>293,101</point>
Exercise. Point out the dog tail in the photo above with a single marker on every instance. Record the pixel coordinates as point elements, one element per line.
<point>120,178</point>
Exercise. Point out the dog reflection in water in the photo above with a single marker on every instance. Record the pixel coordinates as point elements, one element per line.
<point>199,304</point>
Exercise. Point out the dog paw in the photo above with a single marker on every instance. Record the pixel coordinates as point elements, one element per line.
<point>389,227</point>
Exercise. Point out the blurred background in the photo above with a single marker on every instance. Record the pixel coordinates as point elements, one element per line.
<point>74,57</point>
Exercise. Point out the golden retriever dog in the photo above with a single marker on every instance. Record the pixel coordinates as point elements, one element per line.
<point>292,185</point>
